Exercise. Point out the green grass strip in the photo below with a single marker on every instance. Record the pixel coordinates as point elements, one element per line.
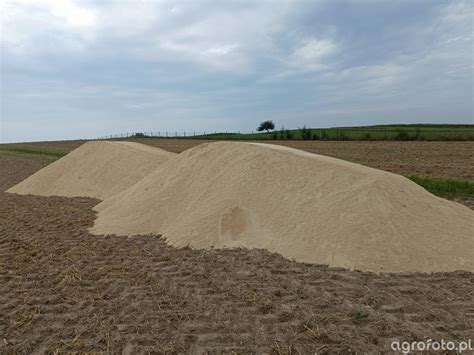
<point>445,187</point>
<point>52,153</point>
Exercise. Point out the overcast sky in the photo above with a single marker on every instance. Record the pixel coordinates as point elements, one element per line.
<point>73,69</point>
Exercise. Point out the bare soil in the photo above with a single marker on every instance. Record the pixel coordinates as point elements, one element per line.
<point>427,159</point>
<point>63,289</point>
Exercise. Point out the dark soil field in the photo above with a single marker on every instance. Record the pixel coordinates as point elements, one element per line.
<point>427,159</point>
<point>65,290</point>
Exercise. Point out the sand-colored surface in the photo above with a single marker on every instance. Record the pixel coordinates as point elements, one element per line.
<point>96,169</point>
<point>63,290</point>
<point>307,207</point>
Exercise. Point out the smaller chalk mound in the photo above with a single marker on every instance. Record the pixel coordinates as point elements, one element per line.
<point>98,169</point>
<point>307,207</point>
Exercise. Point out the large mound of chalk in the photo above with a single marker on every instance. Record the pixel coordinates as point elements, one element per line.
<point>307,207</point>
<point>96,169</point>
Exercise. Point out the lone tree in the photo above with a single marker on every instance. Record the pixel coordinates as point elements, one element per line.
<point>266,126</point>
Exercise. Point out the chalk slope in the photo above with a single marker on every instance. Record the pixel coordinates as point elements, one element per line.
<point>96,169</point>
<point>308,207</point>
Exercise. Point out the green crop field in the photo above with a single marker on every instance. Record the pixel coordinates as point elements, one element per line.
<point>20,150</point>
<point>378,132</point>
<point>445,187</point>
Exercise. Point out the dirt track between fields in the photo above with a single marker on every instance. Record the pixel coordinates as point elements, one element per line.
<point>64,289</point>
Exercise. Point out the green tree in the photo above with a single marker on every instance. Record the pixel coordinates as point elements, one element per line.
<point>266,126</point>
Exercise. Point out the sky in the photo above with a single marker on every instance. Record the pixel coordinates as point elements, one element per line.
<point>85,69</point>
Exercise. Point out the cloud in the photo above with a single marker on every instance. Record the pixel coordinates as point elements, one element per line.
<point>24,19</point>
<point>109,65</point>
<point>213,34</point>
<point>72,14</point>
<point>311,54</point>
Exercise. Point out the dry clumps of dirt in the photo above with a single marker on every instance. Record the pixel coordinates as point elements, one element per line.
<point>65,290</point>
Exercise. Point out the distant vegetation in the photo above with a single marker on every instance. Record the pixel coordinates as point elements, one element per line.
<point>53,153</point>
<point>414,132</point>
<point>399,132</point>
<point>446,187</point>
<point>138,135</point>
<point>266,126</point>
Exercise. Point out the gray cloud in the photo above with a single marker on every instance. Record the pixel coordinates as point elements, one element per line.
<point>85,69</point>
